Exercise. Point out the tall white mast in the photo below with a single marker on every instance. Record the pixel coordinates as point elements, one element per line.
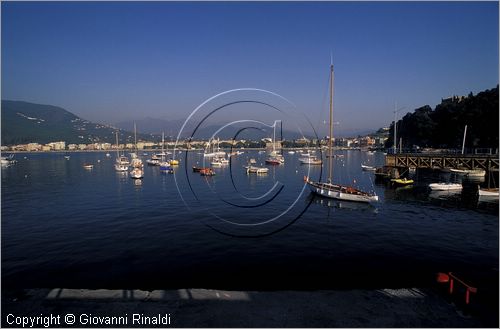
<point>394,140</point>
<point>330,139</point>
<point>463,143</point>
<point>135,136</point>
<point>274,138</point>
<point>117,147</point>
<point>162,145</point>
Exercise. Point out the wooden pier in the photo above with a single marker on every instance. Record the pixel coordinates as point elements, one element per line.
<point>443,161</point>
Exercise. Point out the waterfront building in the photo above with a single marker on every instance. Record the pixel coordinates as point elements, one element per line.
<point>32,147</point>
<point>57,146</point>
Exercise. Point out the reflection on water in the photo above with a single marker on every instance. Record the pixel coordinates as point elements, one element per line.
<point>444,195</point>
<point>338,204</point>
<point>65,226</point>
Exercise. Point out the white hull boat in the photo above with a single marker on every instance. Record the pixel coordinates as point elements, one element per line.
<point>309,158</point>
<point>136,174</point>
<point>488,193</point>
<point>257,170</point>
<point>368,168</point>
<point>119,167</point>
<point>445,187</point>
<point>340,192</point>
<point>469,172</point>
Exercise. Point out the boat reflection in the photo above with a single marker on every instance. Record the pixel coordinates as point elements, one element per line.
<point>333,203</point>
<point>445,195</point>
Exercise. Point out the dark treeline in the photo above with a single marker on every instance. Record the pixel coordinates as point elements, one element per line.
<point>444,126</point>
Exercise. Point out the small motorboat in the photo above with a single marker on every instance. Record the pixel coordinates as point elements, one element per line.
<point>154,161</point>
<point>402,181</point>
<point>273,161</point>
<point>368,168</point>
<point>256,170</point>
<point>216,163</point>
<point>137,173</point>
<point>88,166</point>
<point>207,172</point>
<point>445,187</point>
<point>121,167</point>
<point>166,168</point>
<point>311,160</point>
<point>488,192</point>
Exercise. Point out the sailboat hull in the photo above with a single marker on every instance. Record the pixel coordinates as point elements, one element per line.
<point>339,192</point>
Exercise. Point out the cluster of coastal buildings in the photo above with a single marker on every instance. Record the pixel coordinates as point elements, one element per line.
<point>356,142</point>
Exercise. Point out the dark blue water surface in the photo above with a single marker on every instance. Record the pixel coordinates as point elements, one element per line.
<point>65,226</point>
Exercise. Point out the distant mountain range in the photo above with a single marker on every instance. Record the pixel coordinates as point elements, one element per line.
<point>172,128</point>
<point>24,122</point>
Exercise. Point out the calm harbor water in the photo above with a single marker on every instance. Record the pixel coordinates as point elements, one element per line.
<point>65,226</point>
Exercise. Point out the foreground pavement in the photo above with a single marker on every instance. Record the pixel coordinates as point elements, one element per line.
<point>221,308</point>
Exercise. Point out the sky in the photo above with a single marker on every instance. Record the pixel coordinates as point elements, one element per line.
<point>115,61</point>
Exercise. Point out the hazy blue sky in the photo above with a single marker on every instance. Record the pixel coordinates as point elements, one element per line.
<point>113,61</point>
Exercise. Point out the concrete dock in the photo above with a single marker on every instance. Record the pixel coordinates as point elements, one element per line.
<point>223,308</point>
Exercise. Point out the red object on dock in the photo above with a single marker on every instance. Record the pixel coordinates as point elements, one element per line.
<point>442,277</point>
<point>450,277</point>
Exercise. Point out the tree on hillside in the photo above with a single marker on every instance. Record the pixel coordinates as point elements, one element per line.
<point>444,126</point>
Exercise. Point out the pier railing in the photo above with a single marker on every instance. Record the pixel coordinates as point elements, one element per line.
<point>442,161</point>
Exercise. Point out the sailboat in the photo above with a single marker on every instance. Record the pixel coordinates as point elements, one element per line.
<point>329,189</point>
<point>137,172</point>
<point>275,158</point>
<point>164,165</point>
<point>121,162</point>
<point>135,161</point>
<point>489,193</point>
<point>219,157</point>
<point>470,173</point>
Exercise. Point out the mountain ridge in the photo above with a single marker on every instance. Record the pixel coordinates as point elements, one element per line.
<point>25,122</point>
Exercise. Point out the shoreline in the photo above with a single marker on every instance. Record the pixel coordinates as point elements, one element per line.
<point>158,150</point>
<point>406,307</point>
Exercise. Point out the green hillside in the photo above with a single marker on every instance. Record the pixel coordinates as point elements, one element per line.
<point>24,122</point>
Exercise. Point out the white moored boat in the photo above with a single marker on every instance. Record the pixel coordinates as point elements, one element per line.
<point>257,170</point>
<point>368,168</point>
<point>445,187</point>
<point>469,172</point>
<point>121,162</point>
<point>488,193</point>
<point>340,192</point>
<point>311,159</point>
<point>137,173</point>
